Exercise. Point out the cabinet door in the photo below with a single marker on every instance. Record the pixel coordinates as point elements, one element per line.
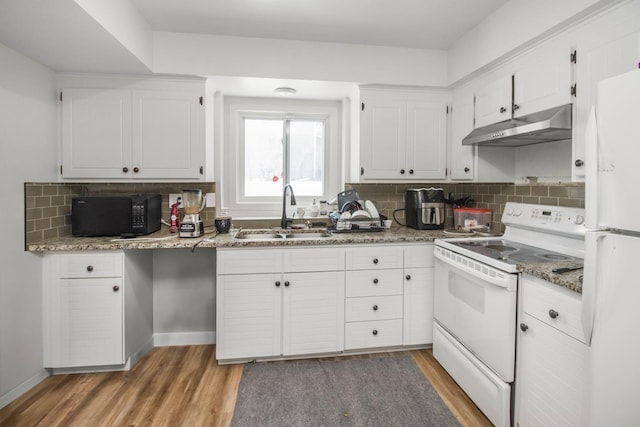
<point>418,306</point>
<point>96,133</point>
<point>461,156</point>
<point>493,101</point>
<point>249,316</point>
<point>91,327</point>
<point>552,379</point>
<point>426,140</point>
<point>543,81</point>
<point>383,135</point>
<point>168,138</point>
<point>603,60</point>
<point>313,313</point>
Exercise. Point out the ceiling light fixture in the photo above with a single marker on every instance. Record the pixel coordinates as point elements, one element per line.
<point>285,91</point>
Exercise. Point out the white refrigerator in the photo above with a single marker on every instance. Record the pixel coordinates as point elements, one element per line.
<point>611,286</point>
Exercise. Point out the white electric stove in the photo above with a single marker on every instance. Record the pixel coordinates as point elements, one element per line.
<point>476,284</point>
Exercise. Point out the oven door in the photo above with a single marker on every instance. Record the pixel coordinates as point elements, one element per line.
<point>476,304</point>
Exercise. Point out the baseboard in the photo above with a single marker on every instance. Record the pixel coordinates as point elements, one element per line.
<point>184,338</point>
<point>18,391</point>
<point>141,352</point>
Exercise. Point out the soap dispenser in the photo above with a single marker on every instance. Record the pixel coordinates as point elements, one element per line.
<point>315,210</point>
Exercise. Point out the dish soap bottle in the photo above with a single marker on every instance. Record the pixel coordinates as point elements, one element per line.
<point>315,210</point>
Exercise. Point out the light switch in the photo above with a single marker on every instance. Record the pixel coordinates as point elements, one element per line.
<point>210,200</point>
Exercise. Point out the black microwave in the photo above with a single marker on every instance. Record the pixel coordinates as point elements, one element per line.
<point>115,215</point>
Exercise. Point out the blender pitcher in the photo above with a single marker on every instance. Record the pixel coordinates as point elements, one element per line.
<point>192,204</point>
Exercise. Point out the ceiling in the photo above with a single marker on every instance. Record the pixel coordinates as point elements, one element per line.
<point>421,24</point>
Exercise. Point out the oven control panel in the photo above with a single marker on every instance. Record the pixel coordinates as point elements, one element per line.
<point>557,219</point>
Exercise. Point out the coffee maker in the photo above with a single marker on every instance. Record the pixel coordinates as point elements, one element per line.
<point>192,203</point>
<point>424,208</point>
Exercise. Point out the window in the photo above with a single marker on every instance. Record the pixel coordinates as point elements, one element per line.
<point>269,143</point>
<point>283,151</point>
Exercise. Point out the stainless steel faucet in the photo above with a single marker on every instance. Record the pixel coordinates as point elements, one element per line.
<point>286,221</point>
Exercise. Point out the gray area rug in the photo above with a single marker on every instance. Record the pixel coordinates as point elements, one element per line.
<point>389,391</point>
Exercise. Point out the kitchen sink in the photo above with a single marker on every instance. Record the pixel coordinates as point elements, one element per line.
<point>260,235</point>
<point>307,235</point>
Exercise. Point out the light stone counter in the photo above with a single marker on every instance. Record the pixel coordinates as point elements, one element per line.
<point>165,240</point>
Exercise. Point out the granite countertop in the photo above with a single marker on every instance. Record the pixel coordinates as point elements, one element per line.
<point>165,240</point>
<point>571,280</point>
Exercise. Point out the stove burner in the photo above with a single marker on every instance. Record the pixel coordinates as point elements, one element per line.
<point>502,248</point>
<point>554,257</point>
<point>472,243</point>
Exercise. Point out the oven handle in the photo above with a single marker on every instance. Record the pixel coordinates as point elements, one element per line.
<point>501,279</point>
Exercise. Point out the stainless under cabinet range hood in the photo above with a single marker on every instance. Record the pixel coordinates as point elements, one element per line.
<point>545,126</point>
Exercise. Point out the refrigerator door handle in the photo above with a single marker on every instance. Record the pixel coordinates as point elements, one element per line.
<point>590,280</point>
<point>591,171</point>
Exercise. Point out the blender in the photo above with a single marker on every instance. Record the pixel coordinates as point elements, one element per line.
<point>191,224</point>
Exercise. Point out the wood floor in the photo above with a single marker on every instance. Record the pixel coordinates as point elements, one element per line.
<point>176,386</point>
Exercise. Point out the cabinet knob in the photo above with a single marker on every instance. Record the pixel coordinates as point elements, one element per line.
<point>277,283</point>
<point>516,107</point>
<point>89,267</point>
<point>523,327</point>
<point>579,163</point>
<point>116,288</point>
<point>411,171</point>
<point>286,283</point>
<point>375,308</point>
<point>401,171</point>
<point>553,314</point>
<point>502,110</point>
<point>125,169</point>
<point>136,169</point>
<point>375,260</point>
<point>375,281</point>
<point>408,277</point>
<point>375,332</point>
<point>466,170</point>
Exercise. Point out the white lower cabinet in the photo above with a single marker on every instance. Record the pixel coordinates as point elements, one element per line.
<point>284,302</point>
<point>552,357</point>
<point>279,302</point>
<point>97,308</point>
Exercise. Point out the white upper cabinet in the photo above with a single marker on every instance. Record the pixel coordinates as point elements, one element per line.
<point>134,131</point>
<point>536,82</point>
<point>493,101</point>
<point>403,134</point>
<point>543,80</point>
<point>461,157</point>
<point>168,134</point>
<point>96,132</point>
<point>599,59</point>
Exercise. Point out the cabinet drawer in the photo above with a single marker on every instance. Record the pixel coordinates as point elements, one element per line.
<point>375,257</point>
<point>418,256</point>
<point>378,333</point>
<point>313,259</point>
<point>373,308</point>
<point>241,261</point>
<point>554,305</point>
<point>90,265</point>
<point>373,283</point>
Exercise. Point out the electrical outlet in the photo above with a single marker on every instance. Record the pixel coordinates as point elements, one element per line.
<point>210,200</point>
<point>173,198</point>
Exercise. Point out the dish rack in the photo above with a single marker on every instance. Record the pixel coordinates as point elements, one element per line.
<point>354,225</point>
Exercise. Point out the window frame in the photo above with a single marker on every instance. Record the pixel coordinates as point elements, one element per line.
<point>237,109</point>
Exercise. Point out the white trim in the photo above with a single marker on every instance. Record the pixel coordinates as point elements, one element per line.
<point>184,338</point>
<point>22,388</point>
<point>229,170</point>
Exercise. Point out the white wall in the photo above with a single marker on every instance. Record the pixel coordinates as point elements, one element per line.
<point>208,55</point>
<point>28,152</point>
<point>184,296</point>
